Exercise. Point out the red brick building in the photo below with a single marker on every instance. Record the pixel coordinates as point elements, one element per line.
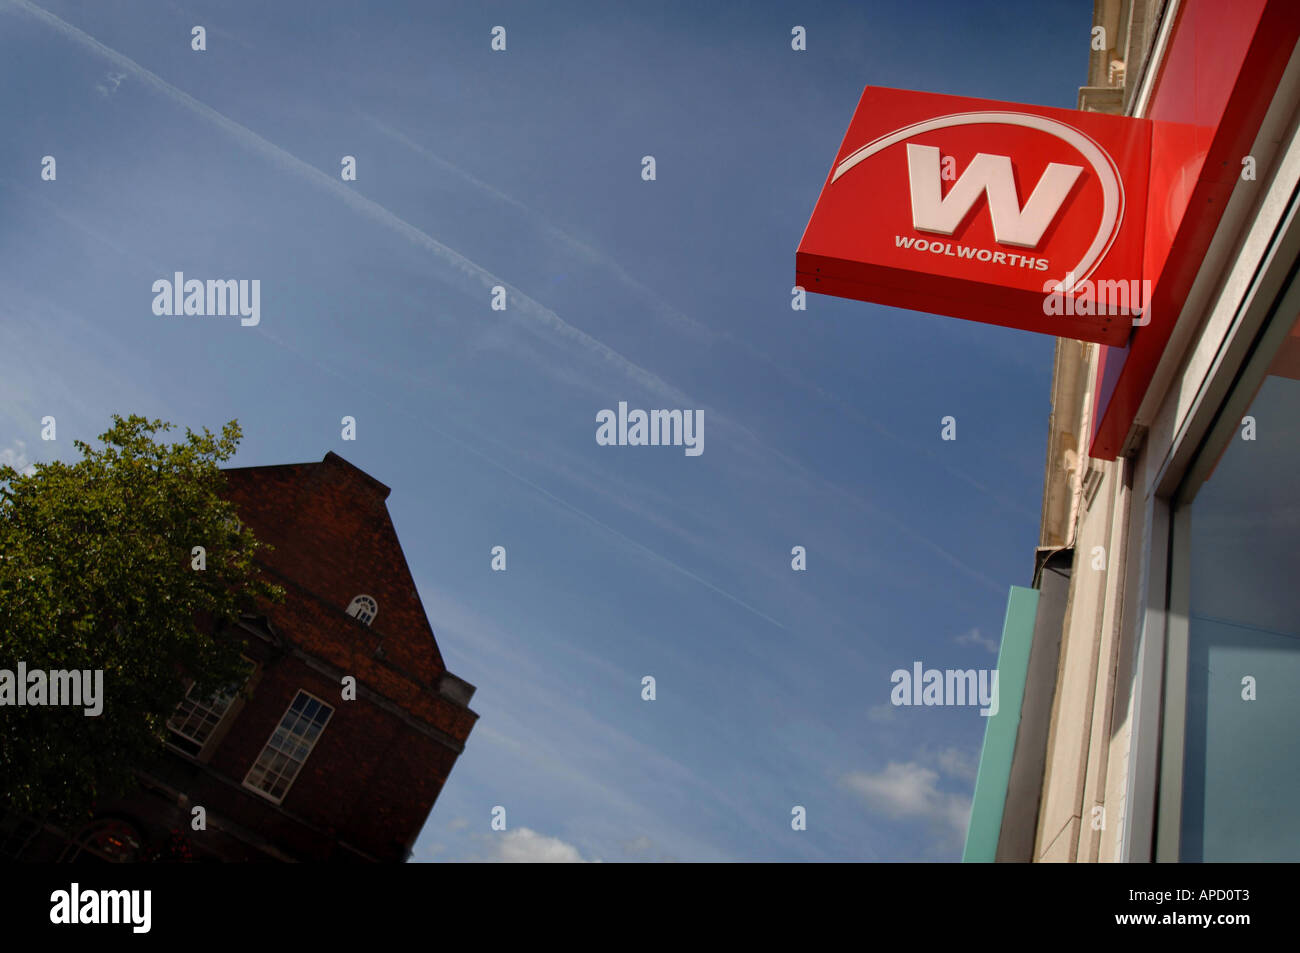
<point>298,766</point>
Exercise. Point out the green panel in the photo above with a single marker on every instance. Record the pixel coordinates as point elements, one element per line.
<point>1000,732</point>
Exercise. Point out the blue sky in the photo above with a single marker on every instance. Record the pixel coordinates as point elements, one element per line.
<point>523,168</point>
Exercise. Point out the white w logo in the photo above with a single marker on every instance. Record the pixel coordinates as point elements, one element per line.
<point>1008,218</point>
<point>991,175</point>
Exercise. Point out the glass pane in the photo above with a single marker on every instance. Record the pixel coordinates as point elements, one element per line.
<point>1242,755</point>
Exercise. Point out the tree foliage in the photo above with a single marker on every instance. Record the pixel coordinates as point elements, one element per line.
<point>96,573</point>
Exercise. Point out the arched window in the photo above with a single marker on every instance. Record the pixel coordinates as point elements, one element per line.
<point>364,609</point>
<point>110,839</point>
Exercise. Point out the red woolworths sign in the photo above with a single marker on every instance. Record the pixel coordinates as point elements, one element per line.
<point>1022,216</point>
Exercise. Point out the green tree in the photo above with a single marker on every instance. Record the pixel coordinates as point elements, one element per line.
<point>97,573</point>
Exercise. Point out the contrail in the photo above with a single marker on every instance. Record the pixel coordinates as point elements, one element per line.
<point>359,203</point>
<point>595,256</point>
<point>558,501</point>
<point>458,262</point>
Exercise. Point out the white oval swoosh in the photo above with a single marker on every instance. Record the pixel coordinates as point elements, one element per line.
<point>1112,190</point>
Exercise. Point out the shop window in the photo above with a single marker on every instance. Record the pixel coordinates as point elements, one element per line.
<point>1234,633</point>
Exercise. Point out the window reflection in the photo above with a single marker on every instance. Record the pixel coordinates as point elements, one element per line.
<point>1242,748</point>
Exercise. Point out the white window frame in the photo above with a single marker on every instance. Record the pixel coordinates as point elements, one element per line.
<point>1242,284</point>
<point>198,703</point>
<point>364,603</point>
<point>311,746</point>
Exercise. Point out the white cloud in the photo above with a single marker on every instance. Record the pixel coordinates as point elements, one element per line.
<point>638,845</point>
<point>882,713</point>
<point>16,457</point>
<point>973,637</point>
<point>114,80</point>
<point>525,846</point>
<point>958,764</point>
<point>910,791</point>
<point>901,790</point>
